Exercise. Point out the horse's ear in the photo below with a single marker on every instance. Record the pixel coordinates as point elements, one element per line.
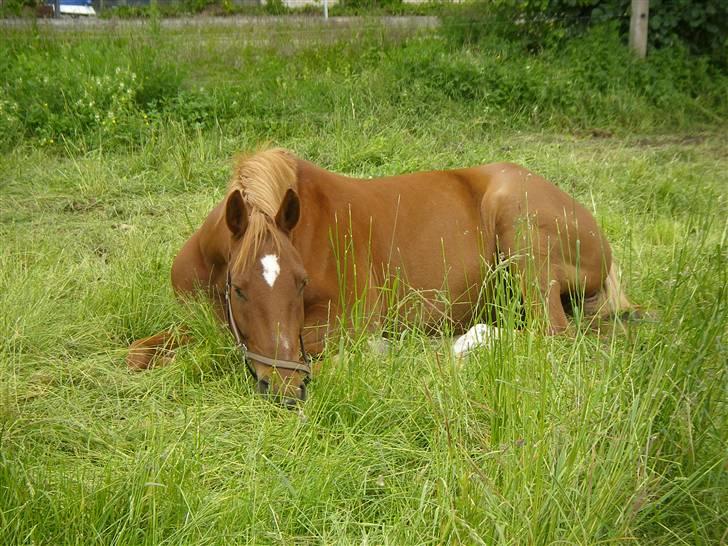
<point>236,214</point>
<point>290,211</point>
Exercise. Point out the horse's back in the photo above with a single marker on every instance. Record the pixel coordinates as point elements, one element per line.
<point>422,228</point>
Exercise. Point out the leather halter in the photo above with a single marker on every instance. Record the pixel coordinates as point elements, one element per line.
<point>304,366</point>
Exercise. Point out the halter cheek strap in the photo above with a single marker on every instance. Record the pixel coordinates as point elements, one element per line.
<point>304,366</point>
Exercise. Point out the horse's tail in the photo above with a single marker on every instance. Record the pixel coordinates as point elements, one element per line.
<point>611,300</point>
<point>155,350</point>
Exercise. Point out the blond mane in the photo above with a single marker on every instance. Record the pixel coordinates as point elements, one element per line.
<point>263,179</point>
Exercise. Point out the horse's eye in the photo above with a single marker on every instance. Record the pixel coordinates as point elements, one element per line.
<point>304,282</point>
<point>239,293</point>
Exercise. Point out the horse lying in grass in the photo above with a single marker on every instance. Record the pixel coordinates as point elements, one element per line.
<point>292,245</point>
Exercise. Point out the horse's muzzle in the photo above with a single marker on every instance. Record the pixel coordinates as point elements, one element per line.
<point>289,397</point>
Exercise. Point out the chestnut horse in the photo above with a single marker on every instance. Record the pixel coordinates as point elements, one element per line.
<point>292,245</point>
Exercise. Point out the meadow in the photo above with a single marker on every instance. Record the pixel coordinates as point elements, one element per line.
<point>114,144</point>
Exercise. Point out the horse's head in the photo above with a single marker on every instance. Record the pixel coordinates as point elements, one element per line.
<point>264,306</point>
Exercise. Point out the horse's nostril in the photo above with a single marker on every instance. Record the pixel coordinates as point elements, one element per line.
<point>302,392</point>
<point>262,386</point>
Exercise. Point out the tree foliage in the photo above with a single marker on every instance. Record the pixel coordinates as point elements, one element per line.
<point>702,26</point>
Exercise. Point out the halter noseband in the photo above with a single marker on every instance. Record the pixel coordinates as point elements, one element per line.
<point>304,366</point>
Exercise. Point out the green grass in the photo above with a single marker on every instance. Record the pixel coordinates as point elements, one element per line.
<point>619,438</point>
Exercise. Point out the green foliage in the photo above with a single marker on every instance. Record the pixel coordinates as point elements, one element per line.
<point>197,6</point>
<point>700,26</point>
<point>275,7</point>
<point>119,88</point>
<point>364,5</point>
<point>471,22</point>
<point>16,8</point>
<point>591,80</point>
<point>218,8</point>
<point>76,90</point>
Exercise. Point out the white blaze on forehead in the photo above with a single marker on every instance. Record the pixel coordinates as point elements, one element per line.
<point>271,269</point>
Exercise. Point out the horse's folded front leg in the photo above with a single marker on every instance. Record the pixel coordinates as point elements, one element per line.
<point>154,350</point>
<point>557,321</point>
<point>541,293</point>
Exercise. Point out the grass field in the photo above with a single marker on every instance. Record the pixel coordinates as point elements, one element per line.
<point>592,439</point>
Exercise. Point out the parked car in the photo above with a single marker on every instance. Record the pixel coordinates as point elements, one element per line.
<point>75,8</point>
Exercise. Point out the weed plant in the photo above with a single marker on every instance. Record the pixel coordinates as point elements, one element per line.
<point>586,438</point>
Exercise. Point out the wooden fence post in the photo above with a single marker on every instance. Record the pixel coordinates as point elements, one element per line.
<point>638,27</point>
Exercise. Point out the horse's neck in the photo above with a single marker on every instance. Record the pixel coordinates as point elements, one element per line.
<point>322,192</point>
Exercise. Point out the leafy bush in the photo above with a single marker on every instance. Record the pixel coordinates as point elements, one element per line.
<point>62,102</point>
<point>75,90</point>
<point>15,8</point>
<point>591,80</point>
<point>701,26</point>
